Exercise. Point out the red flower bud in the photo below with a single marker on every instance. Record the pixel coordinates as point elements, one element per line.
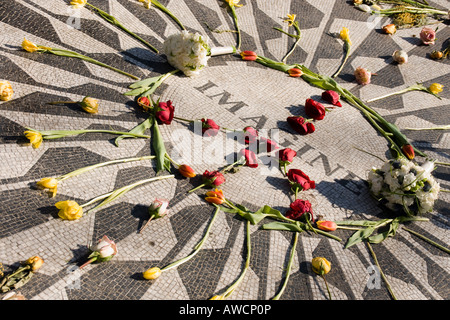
<point>250,158</point>
<point>408,150</point>
<point>144,103</point>
<point>299,179</point>
<point>300,125</point>
<point>209,127</point>
<point>298,208</point>
<point>165,112</point>
<point>286,156</point>
<point>249,55</point>
<point>186,171</point>
<point>326,225</point>
<point>250,135</point>
<point>332,97</point>
<point>314,109</point>
<point>270,145</point>
<point>295,72</point>
<point>213,178</point>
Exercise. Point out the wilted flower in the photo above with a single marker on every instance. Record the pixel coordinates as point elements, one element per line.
<point>29,46</point>
<point>213,178</point>
<point>69,210</point>
<point>217,297</point>
<point>326,225</point>
<point>290,19</point>
<point>400,56</point>
<point>320,265</point>
<point>165,112</point>
<point>314,109</point>
<point>295,72</point>
<point>437,55</point>
<point>35,263</point>
<point>49,183</point>
<point>428,36</point>
<point>6,91</point>
<point>435,88</point>
<point>152,273</point>
<point>77,4</point>
<point>298,179</point>
<point>301,125</point>
<point>13,296</point>
<point>89,105</point>
<point>408,151</point>
<point>299,208</point>
<point>390,28</point>
<point>332,97</point>
<point>345,35</point>
<point>215,196</point>
<point>144,103</point>
<point>186,171</point>
<point>362,76</point>
<point>249,55</point>
<point>209,127</point>
<point>34,137</point>
<point>234,3</point>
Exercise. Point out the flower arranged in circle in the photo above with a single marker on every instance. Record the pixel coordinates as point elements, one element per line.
<point>332,97</point>
<point>103,251</point>
<point>215,196</point>
<point>427,36</point>
<point>270,145</point>
<point>286,156</point>
<point>48,183</point>
<point>34,137</point>
<point>299,208</point>
<point>158,208</point>
<point>314,109</point>
<point>164,113</point>
<point>300,180</point>
<point>213,178</point>
<point>250,158</point>
<point>90,105</point>
<point>400,56</point>
<point>186,171</point>
<point>435,88</point>
<point>301,125</point>
<point>6,91</point>
<point>249,55</point>
<point>408,151</point>
<point>69,210</point>
<point>209,127</point>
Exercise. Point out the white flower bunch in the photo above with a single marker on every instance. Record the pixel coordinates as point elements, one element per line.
<point>187,52</point>
<point>404,184</point>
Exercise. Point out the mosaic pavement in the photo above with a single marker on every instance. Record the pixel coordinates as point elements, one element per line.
<point>235,94</point>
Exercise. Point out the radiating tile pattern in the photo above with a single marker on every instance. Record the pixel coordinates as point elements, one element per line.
<point>235,94</point>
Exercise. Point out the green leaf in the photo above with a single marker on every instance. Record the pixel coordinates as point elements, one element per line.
<point>135,92</point>
<point>160,150</point>
<point>361,223</point>
<point>359,236</point>
<point>283,226</point>
<point>139,129</point>
<point>144,83</point>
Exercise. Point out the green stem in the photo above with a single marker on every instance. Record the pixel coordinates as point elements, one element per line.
<point>427,240</point>
<point>233,12</point>
<point>288,268</point>
<point>295,44</point>
<point>197,248</point>
<point>171,160</point>
<point>55,134</point>
<point>170,14</point>
<point>198,187</point>
<point>326,284</point>
<point>381,271</point>
<point>183,119</point>
<point>231,289</point>
<point>347,55</point>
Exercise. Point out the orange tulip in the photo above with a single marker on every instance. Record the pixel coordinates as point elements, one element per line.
<point>215,196</point>
<point>186,171</point>
<point>408,150</point>
<point>326,225</point>
<point>295,72</point>
<point>249,55</point>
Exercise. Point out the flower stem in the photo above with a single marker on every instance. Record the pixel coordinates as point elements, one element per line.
<point>381,271</point>
<point>347,55</point>
<point>238,31</point>
<point>295,44</point>
<point>198,187</point>
<point>183,119</point>
<point>288,268</point>
<point>88,262</point>
<point>427,240</point>
<point>170,14</point>
<point>326,284</point>
<point>55,134</point>
<point>146,224</point>
<point>197,248</point>
<point>432,128</point>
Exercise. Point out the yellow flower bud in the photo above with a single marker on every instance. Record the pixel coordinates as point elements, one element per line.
<point>34,137</point>
<point>320,265</point>
<point>89,105</point>
<point>6,91</point>
<point>436,88</point>
<point>35,263</point>
<point>77,4</point>
<point>29,46</point>
<point>48,183</point>
<point>69,210</point>
<point>344,34</point>
<point>152,273</point>
<point>290,19</point>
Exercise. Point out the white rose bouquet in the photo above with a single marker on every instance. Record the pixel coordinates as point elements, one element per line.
<point>404,184</point>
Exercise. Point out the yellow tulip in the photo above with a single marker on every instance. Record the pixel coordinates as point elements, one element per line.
<point>436,88</point>
<point>77,4</point>
<point>49,183</point>
<point>290,19</point>
<point>152,273</point>
<point>234,3</point>
<point>321,266</point>
<point>344,34</point>
<point>34,137</point>
<point>6,91</point>
<point>89,105</point>
<point>147,3</point>
<point>69,210</point>
<point>29,46</point>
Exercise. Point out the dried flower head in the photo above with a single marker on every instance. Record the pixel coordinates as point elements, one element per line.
<point>6,91</point>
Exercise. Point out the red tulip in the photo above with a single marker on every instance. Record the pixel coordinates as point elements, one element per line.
<point>332,97</point>
<point>144,103</point>
<point>326,225</point>
<point>314,109</point>
<point>165,112</point>
<point>213,178</point>
<point>215,197</point>
<point>300,125</point>
<point>295,72</point>
<point>209,127</point>
<point>249,55</point>
<point>186,171</point>
<point>299,179</point>
<point>250,158</point>
<point>408,150</point>
<point>286,156</point>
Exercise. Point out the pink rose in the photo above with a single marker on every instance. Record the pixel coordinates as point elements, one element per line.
<point>427,35</point>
